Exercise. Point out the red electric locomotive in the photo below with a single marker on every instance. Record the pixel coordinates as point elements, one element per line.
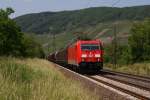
<point>86,54</point>
<point>83,54</point>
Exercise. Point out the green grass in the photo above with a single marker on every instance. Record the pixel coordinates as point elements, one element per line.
<point>137,69</point>
<point>35,79</point>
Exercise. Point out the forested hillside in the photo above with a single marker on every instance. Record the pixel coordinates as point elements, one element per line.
<point>71,20</point>
<point>100,22</point>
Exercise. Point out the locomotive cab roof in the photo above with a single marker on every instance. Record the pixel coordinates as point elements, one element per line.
<point>89,41</point>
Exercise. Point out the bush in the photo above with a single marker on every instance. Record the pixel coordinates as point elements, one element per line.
<point>123,55</point>
<point>31,48</point>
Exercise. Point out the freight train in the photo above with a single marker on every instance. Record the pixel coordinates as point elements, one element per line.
<point>81,55</point>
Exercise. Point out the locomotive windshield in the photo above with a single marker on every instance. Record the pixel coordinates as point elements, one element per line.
<point>90,47</point>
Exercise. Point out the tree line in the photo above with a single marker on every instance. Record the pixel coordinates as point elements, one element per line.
<point>13,42</point>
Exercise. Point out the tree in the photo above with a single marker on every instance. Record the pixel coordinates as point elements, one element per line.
<point>10,34</point>
<point>4,14</point>
<point>139,41</point>
<point>13,42</point>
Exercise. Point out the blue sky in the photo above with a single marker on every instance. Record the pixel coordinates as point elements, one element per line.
<point>33,6</point>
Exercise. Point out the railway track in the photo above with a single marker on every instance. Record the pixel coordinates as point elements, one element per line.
<point>133,80</point>
<point>138,87</point>
<point>138,77</point>
<point>123,86</point>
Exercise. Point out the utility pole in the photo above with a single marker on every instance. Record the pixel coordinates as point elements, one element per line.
<point>53,38</point>
<point>115,38</point>
<point>54,44</point>
<point>115,46</point>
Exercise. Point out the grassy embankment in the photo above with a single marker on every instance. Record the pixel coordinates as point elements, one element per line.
<point>137,69</point>
<point>35,79</point>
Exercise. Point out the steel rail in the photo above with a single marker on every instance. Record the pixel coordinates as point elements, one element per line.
<point>121,89</point>
<point>132,76</point>
<point>129,83</point>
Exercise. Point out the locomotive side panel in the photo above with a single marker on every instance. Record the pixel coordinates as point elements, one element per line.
<point>72,55</point>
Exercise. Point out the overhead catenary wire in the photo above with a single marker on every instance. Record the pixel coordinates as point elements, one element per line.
<point>74,39</point>
<point>112,5</point>
<point>114,42</point>
<point>115,3</point>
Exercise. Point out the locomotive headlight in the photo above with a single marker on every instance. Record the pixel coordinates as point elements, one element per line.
<point>83,55</point>
<point>83,59</point>
<point>97,55</point>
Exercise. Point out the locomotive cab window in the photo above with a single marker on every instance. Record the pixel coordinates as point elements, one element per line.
<point>90,47</point>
